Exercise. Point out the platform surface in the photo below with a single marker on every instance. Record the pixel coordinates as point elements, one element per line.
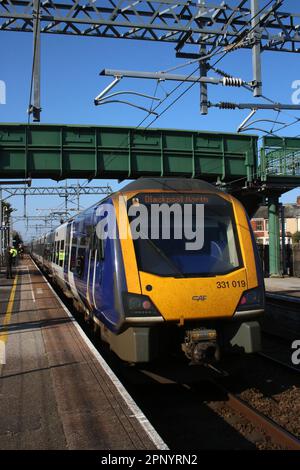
<point>55,393</point>
<point>287,286</point>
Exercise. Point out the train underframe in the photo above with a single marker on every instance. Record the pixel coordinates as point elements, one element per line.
<point>201,341</point>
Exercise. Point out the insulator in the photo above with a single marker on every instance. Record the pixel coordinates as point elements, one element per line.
<point>221,72</point>
<point>232,81</point>
<point>234,47</point>
<point>226,105</point>
<point>239,45</point>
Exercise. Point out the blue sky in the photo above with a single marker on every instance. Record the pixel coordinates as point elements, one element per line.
<point>70,81</point>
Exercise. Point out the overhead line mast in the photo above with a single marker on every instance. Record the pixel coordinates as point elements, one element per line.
<point>195,28</point>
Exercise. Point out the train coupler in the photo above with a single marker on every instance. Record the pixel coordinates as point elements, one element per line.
<point>200,346</point>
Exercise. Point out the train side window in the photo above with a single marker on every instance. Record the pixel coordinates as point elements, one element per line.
<point>73,253</point>
<point>57,252</point>
<point>98,244</point>
<point>52,253</point>
<point>100,248</point>
<point>80,261</point>
<point>61,255</point>
<point>67,248</point>
<point>73,258</point>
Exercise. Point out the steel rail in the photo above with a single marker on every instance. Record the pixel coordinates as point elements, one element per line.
<point>277,433</point>
<point>273,430</point>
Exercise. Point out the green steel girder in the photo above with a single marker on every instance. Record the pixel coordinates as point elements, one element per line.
<point>274,236</point>
<point>178,22</point>
<point>73,151</point>
<point>279,172</point>
<point>280,160</point>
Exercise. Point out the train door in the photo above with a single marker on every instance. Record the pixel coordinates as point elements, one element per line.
<point>95,268</point>
<point>60,252</point>
<point>67,250</point>
<point>73,260</point>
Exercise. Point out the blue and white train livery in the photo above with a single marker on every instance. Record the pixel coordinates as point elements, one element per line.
<point>149,296</point>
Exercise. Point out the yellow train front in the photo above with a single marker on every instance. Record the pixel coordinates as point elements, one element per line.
<point>192,273</point>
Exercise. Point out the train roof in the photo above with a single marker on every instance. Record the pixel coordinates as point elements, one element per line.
<point>169,184</point>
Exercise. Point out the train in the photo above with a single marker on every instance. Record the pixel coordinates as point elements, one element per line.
<point>162,267</point>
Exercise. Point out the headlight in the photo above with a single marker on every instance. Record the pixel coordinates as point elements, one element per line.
<point>136,305</point>
<point>252,299</point>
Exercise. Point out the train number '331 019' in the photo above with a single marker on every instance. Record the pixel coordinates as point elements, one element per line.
<point>226,284</point>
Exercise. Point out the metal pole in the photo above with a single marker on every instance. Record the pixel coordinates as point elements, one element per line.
<point>283,239</point>
<point>160,76</point>
<point>9,231</point>
<point>66,198</point>
<point>5,233</point>
<point>106,90</point>
<point>203,86</point>
<point>274,237</point>
<point>256,49</point>
<point>203,72</point>
<point>36,109</point>
<point>25,211</point>
<point>78,197</point>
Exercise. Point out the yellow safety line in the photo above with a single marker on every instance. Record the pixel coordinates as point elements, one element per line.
<point>9,309</point>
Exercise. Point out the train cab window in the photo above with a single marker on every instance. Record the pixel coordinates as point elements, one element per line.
<point>169,256</point>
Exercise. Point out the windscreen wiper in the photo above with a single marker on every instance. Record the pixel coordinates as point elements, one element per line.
<point>164,256</point>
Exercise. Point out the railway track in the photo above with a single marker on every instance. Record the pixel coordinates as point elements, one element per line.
<point>222,396</point>
<point>274,431</point>
<point>177,407</point>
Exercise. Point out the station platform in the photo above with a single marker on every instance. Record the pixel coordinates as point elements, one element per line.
<point>56,390</point>
<point>287,287</point>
